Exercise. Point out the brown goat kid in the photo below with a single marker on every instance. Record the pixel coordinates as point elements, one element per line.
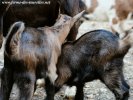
<point>31,53</point>
<point>123,10</point>
<point>96,55</point>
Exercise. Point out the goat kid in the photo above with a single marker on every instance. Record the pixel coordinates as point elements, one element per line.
<point>118,12</point>
<point>122,13</point>
<point>31,53</point>
<point>95,55</point>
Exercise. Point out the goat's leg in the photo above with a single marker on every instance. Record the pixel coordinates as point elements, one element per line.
<point>35,87</point>
<point>50,79</point>
<point>50,89</point>
<point>26,84</point>
<point>79,93</point>
<point>124,82</point>
<point>6,79</point>
<point>125,86</point>
<point>113,81</point>
<point>6,83</point>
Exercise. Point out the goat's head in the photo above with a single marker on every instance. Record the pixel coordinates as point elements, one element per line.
<point>65,19</point>
<point>63,25</point>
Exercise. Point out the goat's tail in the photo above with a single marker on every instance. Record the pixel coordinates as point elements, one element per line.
<point>14,35</point>
<point>15,31</point>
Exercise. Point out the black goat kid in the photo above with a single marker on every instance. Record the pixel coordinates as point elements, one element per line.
<point>96,55</point>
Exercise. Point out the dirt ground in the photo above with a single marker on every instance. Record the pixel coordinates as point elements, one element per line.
<point>93,90</point>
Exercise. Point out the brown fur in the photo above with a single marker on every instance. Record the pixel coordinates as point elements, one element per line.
<point>31,53</point>
<point>123,8</point>
<point>114,21</point>
<point>94,4</point>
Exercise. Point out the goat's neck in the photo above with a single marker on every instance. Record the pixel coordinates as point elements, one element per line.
<point>62,32</point>
<point>125,44</point>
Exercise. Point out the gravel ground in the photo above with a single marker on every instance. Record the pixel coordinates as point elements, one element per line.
<point>94,90</point>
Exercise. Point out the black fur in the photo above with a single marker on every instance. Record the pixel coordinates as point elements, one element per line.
<point>95,55</point>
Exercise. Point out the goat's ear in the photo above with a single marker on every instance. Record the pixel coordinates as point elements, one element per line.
<point>58,17</point>
<point>77,17</point>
